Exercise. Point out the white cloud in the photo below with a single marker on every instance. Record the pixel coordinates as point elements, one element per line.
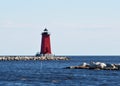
<point>13,24</point>
<point>73,25</point>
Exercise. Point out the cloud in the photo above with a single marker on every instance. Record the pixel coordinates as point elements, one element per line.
<point>13,24</point>
<point>84,26</point>
<point>58,25</point>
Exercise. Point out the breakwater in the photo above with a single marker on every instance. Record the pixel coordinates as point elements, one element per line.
<point>17,58</point>
<point>96,66</point>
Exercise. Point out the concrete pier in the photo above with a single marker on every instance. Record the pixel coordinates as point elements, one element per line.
<point>18,58</point>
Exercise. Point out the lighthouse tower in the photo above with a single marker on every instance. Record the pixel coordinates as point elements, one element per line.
<point>45,43</point>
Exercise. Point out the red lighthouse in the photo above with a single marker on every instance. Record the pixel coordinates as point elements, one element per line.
<point>45,43</point>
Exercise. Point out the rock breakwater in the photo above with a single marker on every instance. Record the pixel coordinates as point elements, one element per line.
<point>17,58</point>
<point>96,66</point>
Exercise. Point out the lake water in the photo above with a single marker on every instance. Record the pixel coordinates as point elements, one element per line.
<point>52,73</point>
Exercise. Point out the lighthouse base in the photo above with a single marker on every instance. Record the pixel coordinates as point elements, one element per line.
<point>45,55</point>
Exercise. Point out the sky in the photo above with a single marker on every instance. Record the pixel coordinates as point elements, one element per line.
<point>77,27</point>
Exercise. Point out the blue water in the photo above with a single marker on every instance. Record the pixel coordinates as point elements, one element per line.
<point>52,73</point>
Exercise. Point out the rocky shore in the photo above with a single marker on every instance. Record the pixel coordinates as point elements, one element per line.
<point>96,66</point>
<point>17,58</point>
